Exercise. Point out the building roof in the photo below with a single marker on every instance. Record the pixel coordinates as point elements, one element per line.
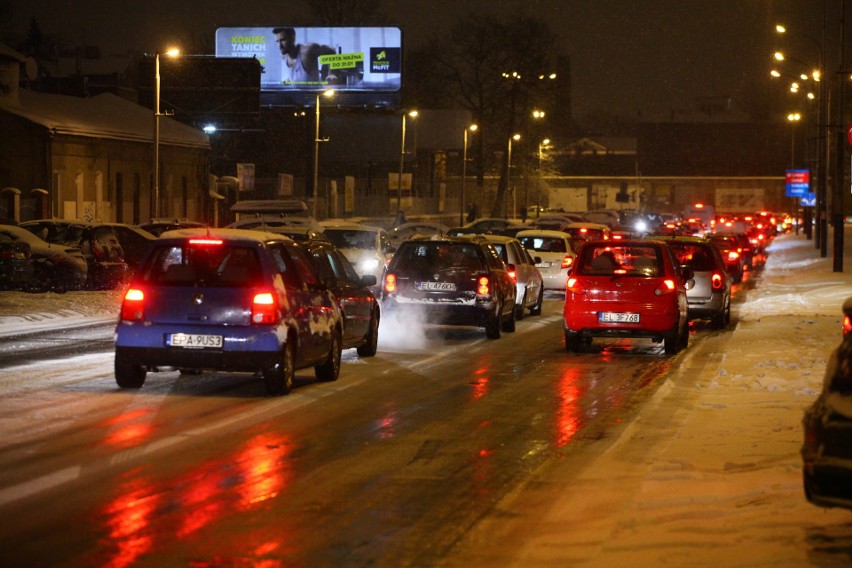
<point>102,116</point>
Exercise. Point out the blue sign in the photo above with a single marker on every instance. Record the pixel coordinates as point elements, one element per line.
<point>798,182</point>
<point>808,200</point>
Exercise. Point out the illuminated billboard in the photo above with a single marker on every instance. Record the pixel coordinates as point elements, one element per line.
<point>312,59</point>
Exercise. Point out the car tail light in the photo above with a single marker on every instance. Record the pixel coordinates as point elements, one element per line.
<point>513,274</point>
<point>390,283</point>
<point>733,255</point>
<point>574,286</point>
<point>567,261</point>
<point>133,305</point>
<point>206,241</point>
<point>483,286</point>
<point>667,286</point>
<point>847,324</point>
<point>716,281</point>
<point>264,309</point>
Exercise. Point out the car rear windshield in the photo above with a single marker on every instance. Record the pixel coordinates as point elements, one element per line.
<point>544,244</point>
<point>698,257</point>
<point>628,260</point>
<point>346,238</point>
<point>217,265</point>
<point>437,256</point>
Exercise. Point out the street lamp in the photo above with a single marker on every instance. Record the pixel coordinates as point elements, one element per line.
<point>172,52</point>
<point>317,140</point>
<point>471,128</point>
<point>413,115</point>
<point>516,137</point>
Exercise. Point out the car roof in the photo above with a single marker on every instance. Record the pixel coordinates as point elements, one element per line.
<point>246,235</point>
<point>543,233</point>
<point>586,225</point>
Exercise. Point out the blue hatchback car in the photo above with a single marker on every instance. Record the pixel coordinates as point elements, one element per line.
<point>229,300</point>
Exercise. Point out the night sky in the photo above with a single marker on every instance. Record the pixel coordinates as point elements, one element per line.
<point>628,56</point>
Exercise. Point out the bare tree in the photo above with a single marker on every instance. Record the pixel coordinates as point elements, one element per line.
<point>345,12</point>
<point>496,69</point>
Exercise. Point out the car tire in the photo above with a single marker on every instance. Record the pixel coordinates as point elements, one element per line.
<point>573,342</point>
<point>330,369</point>
<point>519,308</point>
<point>684,336</point>
<point>371,342</point>
<point>279,377</point>
<point>508,323</point>
<point>536,309</point>
<point>672,340</point>
<point>723,318</point>
<point>128,375</point>
<point>493,324</point>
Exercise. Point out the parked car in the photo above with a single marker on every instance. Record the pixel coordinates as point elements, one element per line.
<point>354,294</point>
<point>423,228</point>
<point>16,264</point>
<point>710,295</point>
<point>103,252</point>
<point>368,248</point>
<point>229,300</point>
<point>298,233</point>
<point>453,281</point>
<point>827,447</point>
<point>555,221</point>
<point>730,249</point>
<point>56,268</point>
<point>629,288</point>
<point>555,253</point>
<point>159,225</point>
<point>270,220</point>
<point>134,242</point>
<point>529,284</point>
<point>483,225</point>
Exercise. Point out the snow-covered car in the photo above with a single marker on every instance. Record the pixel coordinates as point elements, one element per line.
<point>529,284</point>
<point>587,231</point>
<point>159,225</point>
<point>556,254</point>
<point>229,300</point>
<point>827,424</point>
<point>56,268</point>
<point>423,228</point>
<point>16,265</point>
<point>368,248</point>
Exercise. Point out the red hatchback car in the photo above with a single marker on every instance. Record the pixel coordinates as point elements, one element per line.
<point>628,288</point>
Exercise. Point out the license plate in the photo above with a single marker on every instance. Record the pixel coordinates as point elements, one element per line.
<point>618,317</point>
<point>195,341</point>
<point>543,265</point>
<point>437,286</point>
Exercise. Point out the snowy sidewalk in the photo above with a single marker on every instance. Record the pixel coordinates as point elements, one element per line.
<point>710,473</point>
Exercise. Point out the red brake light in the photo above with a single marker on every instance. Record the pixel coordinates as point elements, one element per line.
<point>666,286</point>
<point>390,283</point>
<point>205,241</point>
<point>567,261</point>
<point>733,255</point>
<point>133,306</point>
<point>483,287</point>
<point>513,275</point>
<point>847,325</point>
<point>574,286</point>
<point>716,281</point>
<point>264,309</point>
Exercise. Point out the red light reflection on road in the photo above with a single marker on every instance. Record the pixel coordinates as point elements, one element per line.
<point>386,426</point>
<point>128,520</point>
<point>129,429</point>
<point>568,415</point>
<point>481,383</point>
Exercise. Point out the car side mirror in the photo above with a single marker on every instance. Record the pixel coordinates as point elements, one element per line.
<point>368,280</point>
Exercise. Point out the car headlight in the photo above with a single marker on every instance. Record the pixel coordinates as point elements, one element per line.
<point>368,265</point>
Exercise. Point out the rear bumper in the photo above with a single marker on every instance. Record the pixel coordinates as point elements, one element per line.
<point>653,322</point>
<point>705,307</point>
<point>475,314</point>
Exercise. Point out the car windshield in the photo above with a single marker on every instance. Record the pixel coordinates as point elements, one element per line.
<point>697,257</point>
<point>352,238</point>
<point>218,265</point>
<point>438,255</point>
<point>630,260</point>
<point>544,244</point>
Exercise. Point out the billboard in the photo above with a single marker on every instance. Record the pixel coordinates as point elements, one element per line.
<point>363,59</point>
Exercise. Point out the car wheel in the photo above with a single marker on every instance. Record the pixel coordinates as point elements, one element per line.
<point>128,375</point>
<point>536,309</point>
<point>279,377</point>
<point>684,336</point>
<point>573,342</point>
<point>330,370</point>
<point>371,342</point>
<point>492,326</point>
<point>671,341</point>
<point>508,323</point>
<point>721,320</point>
<point>519,308</point>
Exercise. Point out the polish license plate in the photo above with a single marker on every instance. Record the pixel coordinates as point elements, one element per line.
<point>617,317</point>
<point>437,286</point>
<point>195,341</point>
<point>543,265</point>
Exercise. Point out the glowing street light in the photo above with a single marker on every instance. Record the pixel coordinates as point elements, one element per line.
<point>516,137</point>
<point>413,115</point>
<point>171,52</point>
<point>471,128</point>
<point>317,140</point>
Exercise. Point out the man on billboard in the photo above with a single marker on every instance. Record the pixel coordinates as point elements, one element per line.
<point>301,61</point>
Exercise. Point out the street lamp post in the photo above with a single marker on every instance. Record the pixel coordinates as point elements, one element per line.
<point>317,140</point>
<point>173,52</point>
<point>471,128</point>
<point>509,189</point>
<point>412,114</point>
<point>541,146</point>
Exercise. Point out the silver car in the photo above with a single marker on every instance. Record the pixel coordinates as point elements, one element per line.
<point>556,252</point>
<point>528,280</point>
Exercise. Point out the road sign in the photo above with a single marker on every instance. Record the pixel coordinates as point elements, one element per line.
<point>798,182</point>
<point>808,200</point>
